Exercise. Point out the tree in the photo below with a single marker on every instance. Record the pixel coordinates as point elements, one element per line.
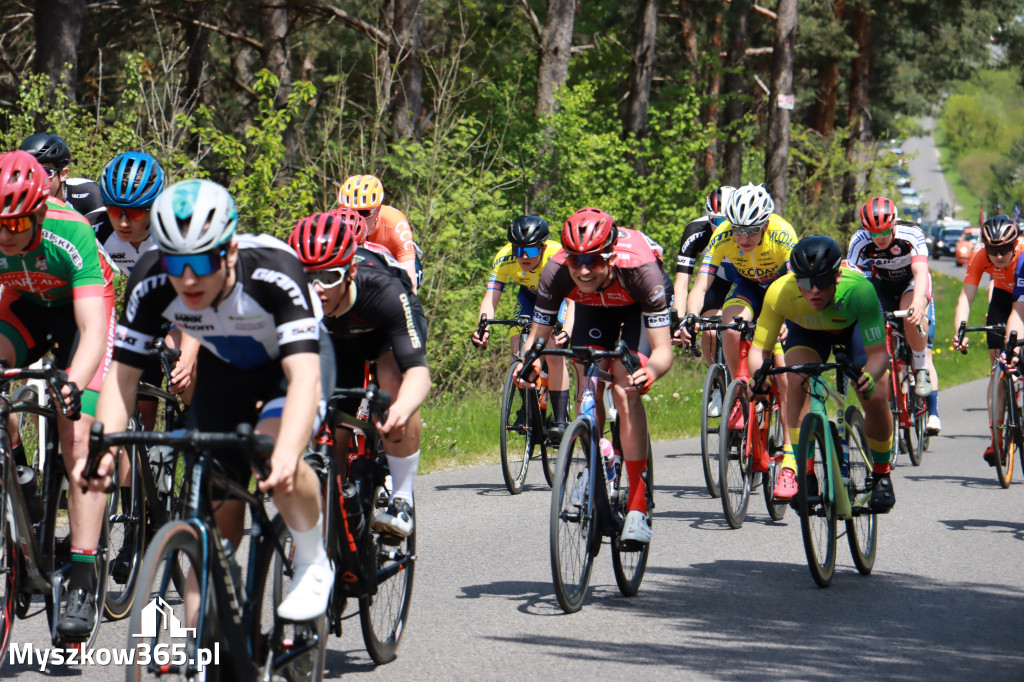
<point>58,32</point>
<point>860,133</point>
<point>733,90</point>
<point>777,153</point>
<point>638,99</point>
<point>553,55</point>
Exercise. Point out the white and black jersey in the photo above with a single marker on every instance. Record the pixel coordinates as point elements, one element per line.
<point>695,239</point>
<point>891,265</point>
<point>268,314</point>
<point>121,253</point>
<point>84,196</point>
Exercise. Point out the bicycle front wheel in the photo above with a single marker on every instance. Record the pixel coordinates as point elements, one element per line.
<point>776,444</point>
<point>1004,438</point>
<point>715,385</point>
<point>127,517</point>
<point>629,559</point>
<point>572,521</point>
<point>516,437</point>
<point>816,500</point>
<point>8,563</point>
<point>734,459</point>
<point>915,435</point>
<point>862,529</point>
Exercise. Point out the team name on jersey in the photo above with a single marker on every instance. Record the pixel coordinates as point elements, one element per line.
<point>144,287</point>
<point>410,326</point>
<point>64,244</point>
<point>284,282</point>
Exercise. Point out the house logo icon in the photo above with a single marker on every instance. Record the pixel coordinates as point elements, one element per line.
<point>159,610</point>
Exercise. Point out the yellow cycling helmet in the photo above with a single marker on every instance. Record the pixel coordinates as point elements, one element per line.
<point>361,192</point>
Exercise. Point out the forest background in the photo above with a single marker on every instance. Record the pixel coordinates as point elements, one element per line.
<point>473,111</point>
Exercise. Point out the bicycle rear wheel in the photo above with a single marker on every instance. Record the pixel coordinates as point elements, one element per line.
<point>715,384</point>
<point>776,444</point>
<point>517,432</point>
<point>383,615</point>
<point>816,501</point>
<point>571,522</point>
<point>629,559</point>
<point>862,529</point>
<point>734,460</point>
<point>1004,439</point>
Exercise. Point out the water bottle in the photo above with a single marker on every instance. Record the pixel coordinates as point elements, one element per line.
<point>1018,390</point>
<point>611,465</point>
<point>29,488</point>
<point>236,570</point>
<point>844,468</point>
<point>587,405</point>
<point>161,460</point>
<point>542,391</point>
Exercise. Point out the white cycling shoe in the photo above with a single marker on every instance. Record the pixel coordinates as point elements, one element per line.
<point>934,425</point>
<point>308,594</point>
<point>636,528</point>
<point>715,406</point>
<point>922,383</point>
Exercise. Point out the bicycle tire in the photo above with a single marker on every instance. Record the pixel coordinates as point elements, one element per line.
<point>128,526</point>
<point>776,443</point>
<point>8,563</point>
<point>309,667</point>
<point>915,434</point>
<point>862,529</point>
<point>734,462</point>
<point>572,526</point>
<point>516,451</point>
<point>383,616</point>
<point>629,560</point>
<point>716,381</point>
<point>817,512</point>
<point>1005,441</point>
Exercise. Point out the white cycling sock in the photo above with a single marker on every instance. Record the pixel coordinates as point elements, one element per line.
<point>309,544</point>
<point>403,472</point>
<point>920,360</point>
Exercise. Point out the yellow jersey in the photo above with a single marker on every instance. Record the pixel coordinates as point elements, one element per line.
<point>505,268</point>
<point>762,265</point>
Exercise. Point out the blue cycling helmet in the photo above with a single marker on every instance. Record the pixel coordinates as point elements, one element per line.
<point>131,180</point>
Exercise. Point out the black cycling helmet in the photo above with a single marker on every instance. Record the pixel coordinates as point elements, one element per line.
<point>999,230</point>
<point>815,261</point>
<point>528,230</point>
<point>48,149</point>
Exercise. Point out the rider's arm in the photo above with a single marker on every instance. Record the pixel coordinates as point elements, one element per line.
<point>877,362</point>
<point>301,400</point>
<point>115,405</point>
<point>414,390</point>
<point>963,306</point>
<point>681,288</point>
<point>695,299</point>
<point>91,320</point>
<point>181,373</point>
<point>489,303</point>
<point>660,360</point>
<point>922,284</point>
<point>1015,322</point>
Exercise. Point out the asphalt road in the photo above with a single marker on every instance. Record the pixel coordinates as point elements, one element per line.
<point>946,599</point>
<point>925,170</point>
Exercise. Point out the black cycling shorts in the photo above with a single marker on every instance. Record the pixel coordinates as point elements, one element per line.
<point>998,312</point>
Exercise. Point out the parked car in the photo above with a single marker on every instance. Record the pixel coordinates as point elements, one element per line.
<point>900,176</point>
<point>945,245</point>
<point>909,198</point>
<point>969,240</point>
<point>932,231</point>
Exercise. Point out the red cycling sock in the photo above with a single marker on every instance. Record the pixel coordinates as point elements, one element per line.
<point>637,488</point>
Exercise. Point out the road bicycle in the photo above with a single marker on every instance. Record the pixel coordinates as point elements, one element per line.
<point>834,471</point>
<point>231,611</point>
<point>716,383</point>
<point>751,443</point>
<point>590,494</point>
<point>909,410</point>
<point>1006,396</point>
<point>34,535</point>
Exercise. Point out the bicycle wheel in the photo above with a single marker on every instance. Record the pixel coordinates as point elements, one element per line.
<point>862,529</point>
<point>629,559</point>
<point>915,435</point>
<point>715,383</point>
<point>516,438</point>
<point>734,460</point>
<point>549,453</point>
<point>816,501</point>
<point>8,563</point>
<point>571,523</point>
<point>1004,441</point>
<point>776,444</point>
<point>383,615</point>
<point>287,635</point>
<point>127,519</point>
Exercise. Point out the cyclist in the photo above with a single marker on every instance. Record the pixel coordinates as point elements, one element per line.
<point>893,255</point>
<point>615,278</point>
<point>58,295</point>
<point>522,261</point>
<point>1000,235</point>
<point>55,156</point>
<point>372,316</point>
<point>386,225</point>
<point>244,298</point>
<point>824,305</point>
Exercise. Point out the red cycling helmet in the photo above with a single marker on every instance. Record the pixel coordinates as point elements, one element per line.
<point>589,230</point>
<point>24,185</point>
<point>323,241</point>
<point>354,221</point>
<point>878,215</point>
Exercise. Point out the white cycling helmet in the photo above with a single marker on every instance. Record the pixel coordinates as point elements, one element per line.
<point>193,216</point>
<point>749,206</point>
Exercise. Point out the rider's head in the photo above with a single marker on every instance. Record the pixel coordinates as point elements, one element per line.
<point>748,208</point>
<point>326,245</point>
<point>24,189</point>
<point>999,234</point>
<point>815,263</point>
<point>588,237</point>
<point>714,205</point>
<point>129,185</point>
<point>527,235</point>
<point>54,155</point>
<point>878,216</point>
<point>365,194</point>
<point>193,224</point>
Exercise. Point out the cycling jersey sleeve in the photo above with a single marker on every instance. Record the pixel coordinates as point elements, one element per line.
<point>85,196</point>
<point>854,256</point>
<point>695,239</point>
<point>555,285</point>
<point>869,312</point>
<point>772,317</point>
<point>146,296</point>
<point>279,282</point>
<point>976,267</point>
<point>496,282</point>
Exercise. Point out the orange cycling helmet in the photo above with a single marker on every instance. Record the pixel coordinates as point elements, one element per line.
<point>355,222</point>
<point>24,185</point>
<point>323,241</point>
<point>361,192</point>
<point>589,230</point>
<point>878,215</point>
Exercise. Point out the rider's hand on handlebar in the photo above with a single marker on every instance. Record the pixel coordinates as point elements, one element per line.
<point>478,341</point>
<point>104,474</point>
<point>641,381</point>
<point>962,346</point>
<point>282,475</point>
<point>865,386</point>
<point>532,375</point>
<point>562,339</point>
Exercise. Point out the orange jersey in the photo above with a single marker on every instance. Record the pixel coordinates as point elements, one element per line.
<point>1002,278</point>
<point>395,234</point>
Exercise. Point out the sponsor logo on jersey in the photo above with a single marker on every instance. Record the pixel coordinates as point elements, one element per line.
<point>284,282</point>
<point>186,318</point>
<point>659,320</point>
<point>65,245</point>
<point>895,250</point>
<point>41,263</point>
<point>143,288</point>
<point>410,326</point>
<point>872,333</point>
<point>659,292</point>
<point>130,339</point>
<point>298,330</point>
<point>33,282</point>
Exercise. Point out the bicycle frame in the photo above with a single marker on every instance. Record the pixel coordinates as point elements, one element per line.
<point>898,366</point>
<point>757,425</point>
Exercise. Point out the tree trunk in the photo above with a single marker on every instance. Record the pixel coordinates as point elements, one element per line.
<point>58,32</point>
<point>197,79</point>
<point>277,54</point>
<point>777,153</point>
<point>823,116</point>
<point>555,48</point>
<point>714,88</point>
<point>407,100</point>
<point>734,89</point>
<point>688,41</point>
<point>639,97</point>
<point>859,131</point>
